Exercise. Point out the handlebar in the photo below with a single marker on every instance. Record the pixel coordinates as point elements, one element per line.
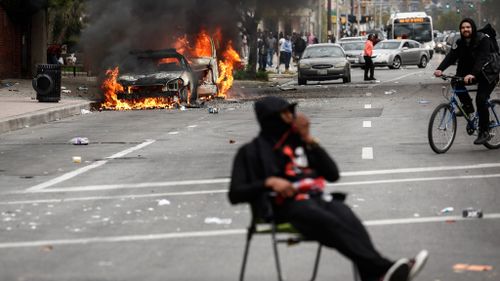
<point>452,77</point>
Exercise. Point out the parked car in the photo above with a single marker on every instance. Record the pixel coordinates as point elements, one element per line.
<point>451,40</point>
<point>350,39</point>
<point>324,62</point>
<point>395,53</point>
<point>353,51</point>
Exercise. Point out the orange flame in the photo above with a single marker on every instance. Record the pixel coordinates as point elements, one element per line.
<point>111,87</point>
<point>203,46</point>
<point>226,66</point>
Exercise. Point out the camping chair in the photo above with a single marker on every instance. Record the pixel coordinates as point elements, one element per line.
<point>292,237</point>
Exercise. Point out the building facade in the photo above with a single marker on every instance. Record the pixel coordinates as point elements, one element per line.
<point>23,37</point>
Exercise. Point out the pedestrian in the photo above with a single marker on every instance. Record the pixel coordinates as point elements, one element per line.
<point>262,52</point>
<point>300,45</point>
<point>244,46</point>
<point>271,43</point>
<point>286,159</point>
<point>472,51</point>
<point>367,55</point>
<point>286,53</point>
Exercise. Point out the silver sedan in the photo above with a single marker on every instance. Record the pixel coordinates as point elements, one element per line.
<point>324,62</point>
<point>395,53</point>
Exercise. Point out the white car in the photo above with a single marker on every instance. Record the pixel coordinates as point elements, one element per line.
<point>395,53</point>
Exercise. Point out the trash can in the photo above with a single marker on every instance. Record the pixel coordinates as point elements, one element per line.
<point>47,83</point>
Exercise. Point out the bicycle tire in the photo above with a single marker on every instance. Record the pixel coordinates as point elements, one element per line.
<point>494,142</point>
<point>442,112</point>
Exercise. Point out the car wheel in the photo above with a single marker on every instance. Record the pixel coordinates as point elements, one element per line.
<point>396,63</point>
<point>347,77</point>
<point>301,81</point>
<point>423,62</point>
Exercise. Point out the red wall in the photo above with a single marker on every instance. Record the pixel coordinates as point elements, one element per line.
<point>10,47</point>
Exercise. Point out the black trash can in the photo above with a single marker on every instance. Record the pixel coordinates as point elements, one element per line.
<point>47,83</point>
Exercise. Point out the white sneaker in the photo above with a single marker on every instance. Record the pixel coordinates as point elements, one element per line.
<point>399,271</point>
<point>416,264</point>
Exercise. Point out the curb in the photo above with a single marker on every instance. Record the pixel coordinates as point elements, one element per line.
<point>42,116</point>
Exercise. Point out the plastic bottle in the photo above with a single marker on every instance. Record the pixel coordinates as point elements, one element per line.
<point>472,213</point>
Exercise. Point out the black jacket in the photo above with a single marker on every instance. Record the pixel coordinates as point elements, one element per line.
<point>471,57</point>
<point>256,161</point>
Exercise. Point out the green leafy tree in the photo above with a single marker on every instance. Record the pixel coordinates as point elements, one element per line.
<point>66,20</point>
<point>448,21</point>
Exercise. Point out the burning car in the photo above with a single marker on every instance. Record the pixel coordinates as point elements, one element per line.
<point>164,73</point>
<point>166,78</point>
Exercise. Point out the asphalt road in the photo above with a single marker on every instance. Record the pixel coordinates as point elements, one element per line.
<point>148,200</point>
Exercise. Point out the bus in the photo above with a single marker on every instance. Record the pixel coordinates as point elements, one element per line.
<point>415,25</point>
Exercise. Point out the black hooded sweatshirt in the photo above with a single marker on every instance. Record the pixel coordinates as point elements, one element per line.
<point>471,55</point>
<point>259,159</point>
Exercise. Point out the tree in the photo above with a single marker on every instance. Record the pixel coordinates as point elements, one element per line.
<point>65,21</point>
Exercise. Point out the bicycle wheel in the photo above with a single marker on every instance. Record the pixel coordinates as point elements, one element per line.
<point>442,128</point>
<point>494,142</point>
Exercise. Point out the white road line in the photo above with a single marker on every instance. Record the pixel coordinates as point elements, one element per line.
<point>368,94</point>
<point>82,170</point>
<point>403,76</point>
<point>215,191</point>
<point>367,124</point>
<point>215,233</point>
<point>138,185</point>
<point>415,180</point>
<point>192,126</point>
<point>368,106</point>
<point>227,180</point>
<point>367,153</point>
<point>173,133</point>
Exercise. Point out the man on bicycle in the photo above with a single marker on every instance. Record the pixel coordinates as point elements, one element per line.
<point>471,50</point>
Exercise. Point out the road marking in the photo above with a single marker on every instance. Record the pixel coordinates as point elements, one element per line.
<point>367,124</point>
<point>368,94</point>
<point>192,126</point>
<point>216,233</point>
<point>227,180</point>
<point>367,153</point>
<point>85,169</point>
<point>416,180</point>
<point>173,133</point>
<point>403,76</point>
<point>368,106</point>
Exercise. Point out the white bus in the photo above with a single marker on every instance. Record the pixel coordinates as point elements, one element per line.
<point>416,26</point>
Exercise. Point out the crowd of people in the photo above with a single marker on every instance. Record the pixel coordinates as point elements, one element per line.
<point>276,49</point>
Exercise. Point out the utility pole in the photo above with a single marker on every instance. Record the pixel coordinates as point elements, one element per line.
<point>359,17</point>
<point>320,20</point>
<point>329,18</point>
<point>337,20</point>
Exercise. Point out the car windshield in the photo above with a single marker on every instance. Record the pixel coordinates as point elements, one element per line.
<point>420,32</point>
<point>353,46</point>
<point>149,64</point>
<point>323,52</point>
<point>387,45</point>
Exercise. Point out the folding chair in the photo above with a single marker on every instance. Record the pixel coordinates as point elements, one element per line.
<point>292,237</point>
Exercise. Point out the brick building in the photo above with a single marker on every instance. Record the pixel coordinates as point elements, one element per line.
<point>23,37</point>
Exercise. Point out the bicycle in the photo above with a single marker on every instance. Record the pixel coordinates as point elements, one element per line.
<point>443,122</point>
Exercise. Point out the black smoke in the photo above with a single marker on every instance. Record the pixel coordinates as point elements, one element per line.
<point>117,27</point>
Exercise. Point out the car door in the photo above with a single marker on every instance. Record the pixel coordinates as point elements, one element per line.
<point>405,52</point>
<point>415,52</point>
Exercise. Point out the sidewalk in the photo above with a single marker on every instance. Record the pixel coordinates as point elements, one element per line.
<point>20,109</point>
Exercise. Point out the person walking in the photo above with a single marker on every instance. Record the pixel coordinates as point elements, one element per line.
<point>287,160</point>
<point>367,55</point>
<point>472,51</point>
<point>271,48</point>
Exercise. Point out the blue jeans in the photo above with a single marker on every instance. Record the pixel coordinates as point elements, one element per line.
<point>270,54</point>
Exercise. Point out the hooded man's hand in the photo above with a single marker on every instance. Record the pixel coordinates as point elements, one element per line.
<point>302,124</point>
<point>282,186</point>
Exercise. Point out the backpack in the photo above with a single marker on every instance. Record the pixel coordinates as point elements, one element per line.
<point>491,69</point>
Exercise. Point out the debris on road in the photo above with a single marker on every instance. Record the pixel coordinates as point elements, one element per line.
<point>82,88</point>
<point>289,88</point>
<point>85,111</point>
<point>66,91</point>
<point>232,141</point>
<point>391,92</point>
<point>163,202</point>
<point>460,267</point>
<point>472,213</point>
<point>77,159</point>
<point>183,108</point>
<point>213,110</point>
<point>214,220</point>
<point>80,141</point>
<point>47,248</point>
<point>446,210</point>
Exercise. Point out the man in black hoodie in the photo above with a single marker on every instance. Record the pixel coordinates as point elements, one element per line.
<point>472,51</point>
<point>285,159</point>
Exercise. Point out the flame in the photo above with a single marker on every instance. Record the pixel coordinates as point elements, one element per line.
<point>203,46</point>
<point>229,58</point>
<point>111,87</point>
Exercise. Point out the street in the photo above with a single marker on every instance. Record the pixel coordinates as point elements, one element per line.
<point>149,199</point>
